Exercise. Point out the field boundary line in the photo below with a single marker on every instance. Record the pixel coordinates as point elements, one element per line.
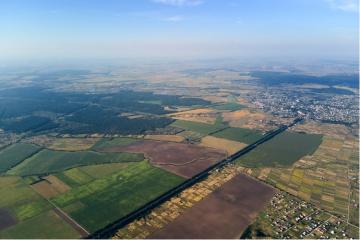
<point>64,214</point>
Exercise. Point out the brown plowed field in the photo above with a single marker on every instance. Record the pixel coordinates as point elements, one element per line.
<point>6,220</point>
<point>225,213</point>
<point>182,159</point>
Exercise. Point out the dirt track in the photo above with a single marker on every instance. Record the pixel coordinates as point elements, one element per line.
<point>83,233</point>
<point>182,159</point>
<point>223,214</point>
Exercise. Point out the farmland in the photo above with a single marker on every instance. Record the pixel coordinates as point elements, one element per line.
<point>14,154</point>
<point>248,118</point>
<point>201,128</point>
<point>86,203</point>
<point>225,213</point>
<point>72,144</point>
<point>202,115</point>
<point>97,150</point>
<point>283,150</point>
<point>327,179</point>
<point>49,161</point>
<point>32,213</point>
<point>223,144</point>
<point>182,159</point>
<point>243,135</point>
<point>232,106</point>
<point>168,138</point>
<point>45,225</point>
<point>106,142</point>
<point>79,176</point>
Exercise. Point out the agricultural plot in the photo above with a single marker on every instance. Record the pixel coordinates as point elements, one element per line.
<point>243,135</point>
<point>50,186</point>
<point>108,142</point>
<point>102,201</point>
<point>201,115</point>
<point>185,160</point>
<point>246,118</point>
<point>79,176</point>
<point>323,188</point>
<point>31,213</point>
<point>15,154</point>
<point>231,106</point>
<point>72,144</point>
<point>191,136</point>
<point>168,211</point>
<point>321,179</point>
<point>48,161</point>
<point>283,150</point>
<point>44,226</point>
<point>104,170</point>
<point>201,128</point>
<point>229,146</point>
<point>168,138</point>
<point>225,213</point>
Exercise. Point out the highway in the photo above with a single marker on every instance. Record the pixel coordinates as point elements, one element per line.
<point>111,229</point>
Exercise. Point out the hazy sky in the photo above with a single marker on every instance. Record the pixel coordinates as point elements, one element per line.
<point>178,28</point>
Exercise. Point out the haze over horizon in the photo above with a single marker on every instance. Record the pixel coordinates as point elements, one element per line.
<point>40,29</point>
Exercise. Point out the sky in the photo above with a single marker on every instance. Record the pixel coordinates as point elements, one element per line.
<point>46,29</point>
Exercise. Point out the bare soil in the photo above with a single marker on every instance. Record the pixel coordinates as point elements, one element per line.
<point>182,159</point>
<point>223,214</point>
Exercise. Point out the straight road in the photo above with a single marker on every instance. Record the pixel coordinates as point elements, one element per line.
<point>112,228</point>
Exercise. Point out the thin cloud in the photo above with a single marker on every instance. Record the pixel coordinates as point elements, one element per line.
<point>344,5</point>
<point>180,2</point>
<point>176,18</point>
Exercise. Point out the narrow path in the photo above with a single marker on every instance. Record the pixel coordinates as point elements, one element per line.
<point>80,229</point>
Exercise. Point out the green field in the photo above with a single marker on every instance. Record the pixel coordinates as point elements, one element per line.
<point>76,177</point>
<point>202,128</point>
<point>49,161</point>
<point>15,154</point>
<point>20,199</point>
<point>44,226</point>
<point>228,106</point>
<point>239,134</point>
<point>107,142</point>
<point>102,201</point>
<point>33,213</point>
<point>282,150</point>
<point>104,170</point>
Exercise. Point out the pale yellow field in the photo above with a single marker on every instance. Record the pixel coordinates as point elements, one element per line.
<point>244,118</point>
<point>215,99</point>
<point>241,114</point>
<point>223,144</point>
<point>169,138</point>
<point>204,115</point>
<point>332,130</point>
<point>72,144</point>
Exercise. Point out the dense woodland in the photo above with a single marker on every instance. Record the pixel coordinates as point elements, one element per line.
<point>41,109</point>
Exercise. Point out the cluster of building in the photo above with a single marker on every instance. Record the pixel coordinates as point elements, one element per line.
<point>331,108</point>
<point>291,218</point>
